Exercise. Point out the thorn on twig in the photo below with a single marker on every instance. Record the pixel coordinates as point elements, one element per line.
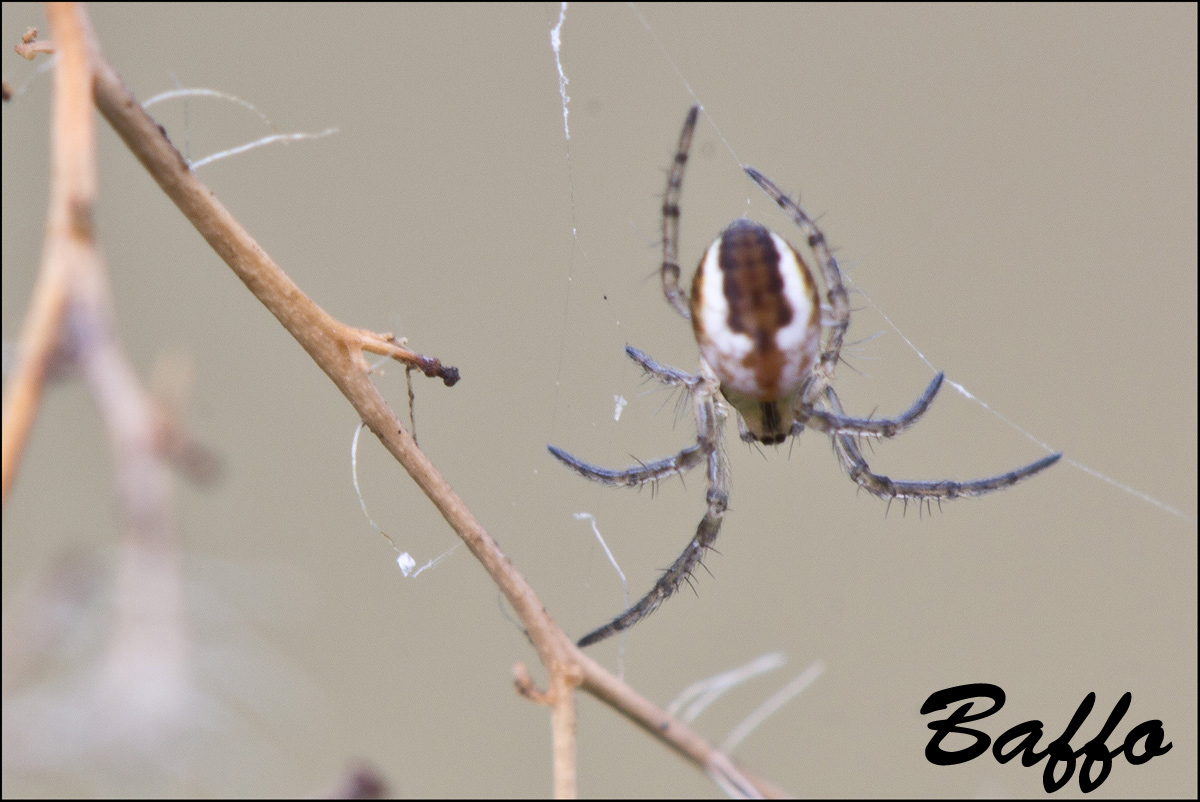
<point>433,367</point>
<point>388,345</point>
<point>30,46</point>
<point>524,685</point>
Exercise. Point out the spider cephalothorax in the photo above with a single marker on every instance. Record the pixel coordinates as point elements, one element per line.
<point>758,321</point>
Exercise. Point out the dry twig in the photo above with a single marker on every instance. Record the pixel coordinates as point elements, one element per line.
<point>338,349</point>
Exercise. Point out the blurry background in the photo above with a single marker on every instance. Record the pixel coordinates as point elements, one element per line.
<point>1014,187</point>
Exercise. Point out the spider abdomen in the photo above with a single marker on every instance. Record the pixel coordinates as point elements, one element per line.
<point>757,320</point>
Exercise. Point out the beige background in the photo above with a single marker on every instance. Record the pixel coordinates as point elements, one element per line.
<point>1014,187</point>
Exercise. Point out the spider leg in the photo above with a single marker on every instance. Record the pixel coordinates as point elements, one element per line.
<point>672,578</point>
<point>884,487</point>
<point>706,533</point>
<point>634,475</point>
<point>670,218</point>
<point>836,423</point>
<point>672,377</point>
<point>747,436</point>
<point>839,303</point>
<point>643,472</point>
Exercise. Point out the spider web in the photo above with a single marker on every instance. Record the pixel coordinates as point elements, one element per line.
<point>606,280</point>
<point>973,212</point>
<point>1039,246</point>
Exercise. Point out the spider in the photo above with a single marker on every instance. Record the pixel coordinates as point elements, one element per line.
<point>758,321</point>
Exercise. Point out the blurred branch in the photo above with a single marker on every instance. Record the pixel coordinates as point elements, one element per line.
<point>68,246</point>
<point>143,693</point>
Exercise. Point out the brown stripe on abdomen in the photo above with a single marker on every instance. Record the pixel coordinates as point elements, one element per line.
<point>758,306</point>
